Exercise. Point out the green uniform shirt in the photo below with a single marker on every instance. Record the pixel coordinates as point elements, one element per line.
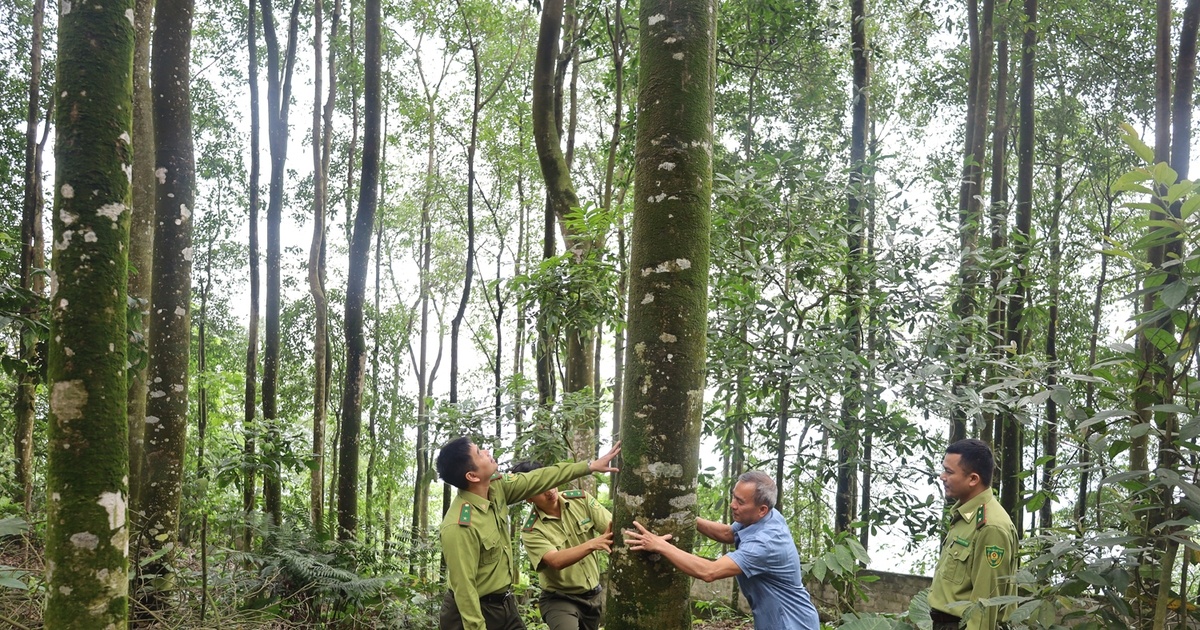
<point>979,556</point>
<point>475,535</point>
<point>582,519</point>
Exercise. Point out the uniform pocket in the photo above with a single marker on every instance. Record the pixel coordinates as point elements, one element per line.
<point>490,550</point>
<point>956,565</point>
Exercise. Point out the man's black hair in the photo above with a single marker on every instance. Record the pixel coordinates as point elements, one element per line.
<point>976,457</point>
<point>525,466</point>
<point>454,461</point>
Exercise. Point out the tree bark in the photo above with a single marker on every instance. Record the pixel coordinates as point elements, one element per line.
<point>88,461</point>
<point>32,258</point>
<point>667,335</point>
<point>322,145</point>
<point>848,437</point>
<point>170,291</point>
<point>250,399</point>
<point>360,249</point>
<point>279,94</point>
<point>998,228</point>
<point>1010,458</point>
<point>141,233</point>
<point>469,272</point>
<point>969,207</point>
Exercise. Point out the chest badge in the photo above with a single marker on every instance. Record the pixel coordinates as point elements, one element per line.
<point>962,541</point>
<point>994,555</point>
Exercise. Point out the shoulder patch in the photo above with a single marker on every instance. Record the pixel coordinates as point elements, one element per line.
<point>980,518</point>
<point>495,476</point>
<point>528,526</point>
<point>573,494</point>
<point>464,516</point>
<point>994,555</point>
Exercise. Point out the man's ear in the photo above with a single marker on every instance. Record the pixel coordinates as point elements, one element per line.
<point>974,478</point>
<point>472,476</point>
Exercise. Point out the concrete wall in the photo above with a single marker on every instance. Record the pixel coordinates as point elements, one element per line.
<point>890,594</point>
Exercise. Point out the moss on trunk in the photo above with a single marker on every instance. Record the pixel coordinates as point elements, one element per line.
<point>668,291</point>
<point>87,536</point>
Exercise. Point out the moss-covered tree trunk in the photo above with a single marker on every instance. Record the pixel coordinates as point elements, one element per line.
<point>141,231</point>
<point>360,250</point>
<point>31,258</point>
<point>87,540</point>
<point>668,300</point>
<point>170,288</point>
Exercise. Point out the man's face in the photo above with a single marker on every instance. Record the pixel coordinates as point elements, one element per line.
<point>743,507</point>
<point>485,464</point>
<point>956,480</point>
<point>546,500</point>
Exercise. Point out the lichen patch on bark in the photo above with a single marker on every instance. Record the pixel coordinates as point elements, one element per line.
<point>67,399</point>
<point>114,504</point>
<point>85,540</point>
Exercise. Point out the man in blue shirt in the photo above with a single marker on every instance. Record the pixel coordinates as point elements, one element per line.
<point>765,560</point>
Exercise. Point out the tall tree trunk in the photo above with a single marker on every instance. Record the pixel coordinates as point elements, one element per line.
<point>1093,348</point>
<point>141,233</point>
<point>322,144</point>
<point>250,399</point>
<point>32,257</point>
<point>1010,459</point>
<point>562,199</point>
<point>469,272</point>
<point>170,292</point>
<point>1148,393</point>
<point>360,249</point>
<point>202,414</point>
<point>848,437</point>
<point>86,485</point>
<point>1050,438</point>
<point>871,405</point>
<point>616,35</point>
<point>969,207</point>
<point>998,227</point>
<point>667,335</point>
<point>279,94</point>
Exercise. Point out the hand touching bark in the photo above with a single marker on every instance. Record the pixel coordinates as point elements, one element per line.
<point>646,540</point>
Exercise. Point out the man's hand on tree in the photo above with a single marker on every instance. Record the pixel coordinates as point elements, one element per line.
<point>601,465</point>
<point>645,540</point>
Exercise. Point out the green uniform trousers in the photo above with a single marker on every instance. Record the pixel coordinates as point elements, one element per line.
<point>499,613</point>
<point>562,611</point>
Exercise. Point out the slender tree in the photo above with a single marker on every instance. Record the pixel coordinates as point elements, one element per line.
<point>360,249</point>
<point>87,539</point>
<point>1010,447</point>
<point>668,306</point>
<point>141,232</point>
<point>847,441</point>
<point>170,291</point>
<point>250,400</point>
<point>32,257</point>
<point>279,95</point>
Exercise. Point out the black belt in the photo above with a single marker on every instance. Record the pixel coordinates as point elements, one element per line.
<point>943,617</point>
<point>496,598</point>
<point>586,594</point>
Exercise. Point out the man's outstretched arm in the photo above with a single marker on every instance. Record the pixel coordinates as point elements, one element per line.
<point>719,532</point>
<point>693,565</point>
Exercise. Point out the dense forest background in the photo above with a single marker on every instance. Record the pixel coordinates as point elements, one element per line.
<point>409,221</point>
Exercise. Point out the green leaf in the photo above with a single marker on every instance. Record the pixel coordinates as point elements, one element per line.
<point>1174,294</point>
<point>1164,175</point>
<point>1023,612</point>
<point>1093,578</point>
<point>1131,138</point>
<point>13,526</point>
<point>918,611</point>
<point>1189,206</point>
<point>13,583</point>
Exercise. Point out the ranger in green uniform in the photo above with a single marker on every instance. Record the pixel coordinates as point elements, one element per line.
<point>560,535</point>
<point>475,532</point>
<point>979,555</point>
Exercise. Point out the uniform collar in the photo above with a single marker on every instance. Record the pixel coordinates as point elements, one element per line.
<point>562,509</point>
<point>969,509</point>
<point>475,500</point>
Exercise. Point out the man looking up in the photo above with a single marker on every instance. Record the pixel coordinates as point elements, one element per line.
<point>560,535</point>
<point>475,532</point>
<point>979,553</point>
<point>765,560</point>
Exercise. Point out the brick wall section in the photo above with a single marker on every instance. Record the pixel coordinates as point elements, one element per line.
<point>890,594</point>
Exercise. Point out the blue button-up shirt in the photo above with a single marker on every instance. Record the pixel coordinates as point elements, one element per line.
<point>771,577</point>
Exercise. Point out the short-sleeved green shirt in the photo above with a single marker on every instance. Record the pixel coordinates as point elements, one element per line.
<point>582,518</point>
<point>979,557</point>
<point>475,535</point>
